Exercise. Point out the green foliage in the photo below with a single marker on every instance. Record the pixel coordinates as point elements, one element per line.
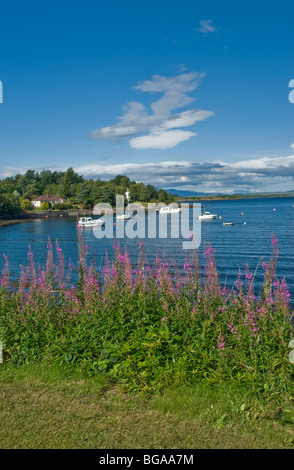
<point>107,195</point>
<point>63,206</point>
<point>45,206</point>
<point>75,187</point>
<point>26,205</point>
<point>9,204</point>
<point>154,328</point>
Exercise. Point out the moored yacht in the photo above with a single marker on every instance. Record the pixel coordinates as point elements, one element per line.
<point>89,222</point>
<point>207,215</point>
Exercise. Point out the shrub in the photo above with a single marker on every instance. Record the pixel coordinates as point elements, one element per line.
<point>26,205</point>
<point>45,206</point>
<point>62,206</point>
<point>152,327</point>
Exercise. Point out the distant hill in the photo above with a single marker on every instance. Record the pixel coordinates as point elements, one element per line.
<point>181,193</point>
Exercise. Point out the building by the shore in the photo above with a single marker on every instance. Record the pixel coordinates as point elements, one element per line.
<point>52,200</point>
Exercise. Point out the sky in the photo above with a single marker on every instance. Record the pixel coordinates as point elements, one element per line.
<point>187,95</point>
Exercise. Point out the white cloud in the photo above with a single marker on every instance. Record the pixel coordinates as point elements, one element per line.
<point>187,118</point>
<point>292,146</point>
<point>206,27</point>
<point>150,128</point>
<point>161,139</point>
<point>263,174</point>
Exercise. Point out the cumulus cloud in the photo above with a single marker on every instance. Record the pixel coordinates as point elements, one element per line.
<point>149,129</point>
<point>206,27</point>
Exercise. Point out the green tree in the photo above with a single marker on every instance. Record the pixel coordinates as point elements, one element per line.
<point>27,179</point>
<point>83,194</point>
<point>107,195</point>
<point>26,205</point>
<point>9,204</point>
<point>70,178</point>
<point>164,196</point>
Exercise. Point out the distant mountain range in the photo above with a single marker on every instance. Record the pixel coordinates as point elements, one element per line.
<point>181,193</point>
<point>177,192</point>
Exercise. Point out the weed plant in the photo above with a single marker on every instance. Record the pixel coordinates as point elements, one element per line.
<point>149,327</point>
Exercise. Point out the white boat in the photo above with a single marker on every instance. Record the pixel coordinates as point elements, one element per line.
<point>89,222</point>
<point>207,215</point>
<point>169,210</point>
<point>124,217</point>
<point>228,223</point>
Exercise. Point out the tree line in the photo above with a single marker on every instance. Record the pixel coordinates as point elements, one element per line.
<point>17,192</point>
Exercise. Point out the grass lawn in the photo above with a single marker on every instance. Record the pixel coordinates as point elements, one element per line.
<point>59,408</point>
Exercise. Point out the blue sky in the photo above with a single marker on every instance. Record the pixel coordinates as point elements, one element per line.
<point>188,95</point>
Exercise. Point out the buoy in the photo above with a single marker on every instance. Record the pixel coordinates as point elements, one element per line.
<point>220,217</point>
<point>60,215</point>
<point>245,223</point>
<point>274,209</point>
<point>46,216</point>
<point>114,223</point>
<point>242,213</point>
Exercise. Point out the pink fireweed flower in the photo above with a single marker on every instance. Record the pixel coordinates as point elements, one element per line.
<point>187,267</point>
<point>209,252</point>
<point>164,320</point>
<point>220,343</point>
<point>239,282</point>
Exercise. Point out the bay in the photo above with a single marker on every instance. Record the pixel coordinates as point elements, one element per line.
<point>248,240</point>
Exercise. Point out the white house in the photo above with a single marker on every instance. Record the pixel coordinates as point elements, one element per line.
<point>46,198</point>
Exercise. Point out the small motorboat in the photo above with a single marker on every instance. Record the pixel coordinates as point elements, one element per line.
<point>169,210</point>
<point>124,217</point>
<point>207,215</point>
<point>228,223</point>
<point>89,222</point>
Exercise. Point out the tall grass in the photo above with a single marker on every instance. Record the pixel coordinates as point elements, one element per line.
<point>151,326</point>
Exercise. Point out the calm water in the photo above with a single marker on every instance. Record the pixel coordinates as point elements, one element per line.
<point>234,245</point>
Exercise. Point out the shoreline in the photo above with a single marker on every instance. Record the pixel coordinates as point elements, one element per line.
<point>229,198</point>
<point>3,223</point>
<point>29,216</point>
